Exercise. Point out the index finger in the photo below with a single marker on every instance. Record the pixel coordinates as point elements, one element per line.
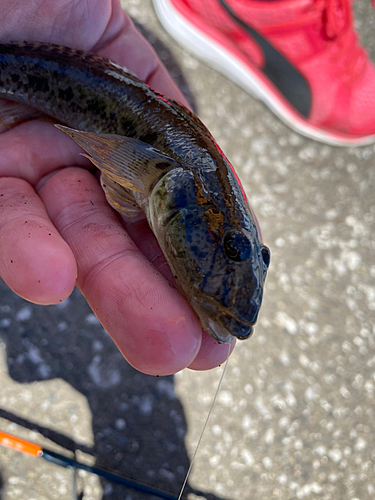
<point>125,45</point>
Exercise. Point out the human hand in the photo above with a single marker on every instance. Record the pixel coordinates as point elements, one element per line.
<point>56,228</point>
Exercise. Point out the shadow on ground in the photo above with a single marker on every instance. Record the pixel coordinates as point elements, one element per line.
<point>138,423</point>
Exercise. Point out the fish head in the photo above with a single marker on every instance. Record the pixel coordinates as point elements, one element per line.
<point>215,254</point>
<point>229,295</point>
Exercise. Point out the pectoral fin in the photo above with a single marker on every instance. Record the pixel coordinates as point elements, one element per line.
<point>120,198</point>
<point>129,162</point>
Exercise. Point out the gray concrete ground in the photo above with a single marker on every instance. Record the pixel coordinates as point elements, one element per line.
<point>295,417</point>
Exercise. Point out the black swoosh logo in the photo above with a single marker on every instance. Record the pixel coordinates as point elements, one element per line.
<point>291,83</point>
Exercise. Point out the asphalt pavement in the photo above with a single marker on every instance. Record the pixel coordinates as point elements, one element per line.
<point>295,418</point>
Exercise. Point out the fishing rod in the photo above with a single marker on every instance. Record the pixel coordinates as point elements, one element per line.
<point>29,448</point>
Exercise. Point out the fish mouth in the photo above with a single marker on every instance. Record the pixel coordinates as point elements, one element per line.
<point>223,336</point>
<point>223,326</point>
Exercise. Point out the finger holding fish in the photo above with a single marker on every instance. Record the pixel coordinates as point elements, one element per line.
<point>39,265</point>
<point>124,44</point>
<point>130,291</point>
<point>150,322</point>
<point>35,261</point>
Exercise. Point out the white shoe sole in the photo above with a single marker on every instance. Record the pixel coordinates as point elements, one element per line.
<point>224,62</point>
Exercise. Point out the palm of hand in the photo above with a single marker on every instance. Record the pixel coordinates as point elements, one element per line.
<point>56,228</point>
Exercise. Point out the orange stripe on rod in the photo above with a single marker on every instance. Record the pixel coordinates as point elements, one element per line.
<point>20,445</point>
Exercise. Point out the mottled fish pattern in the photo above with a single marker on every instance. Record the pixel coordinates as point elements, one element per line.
<point>156,156</point>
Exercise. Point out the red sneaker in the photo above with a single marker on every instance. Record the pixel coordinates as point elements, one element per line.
<point>300,57</point>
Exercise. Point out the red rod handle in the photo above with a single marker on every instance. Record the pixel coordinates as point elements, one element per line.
<point>20,445</point>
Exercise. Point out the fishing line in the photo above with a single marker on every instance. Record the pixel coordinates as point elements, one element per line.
<point>205,425</point>
<point>35,450</point>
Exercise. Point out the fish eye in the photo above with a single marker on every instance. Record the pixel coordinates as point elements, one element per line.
<point>237,246</point>
<point>266,255</point>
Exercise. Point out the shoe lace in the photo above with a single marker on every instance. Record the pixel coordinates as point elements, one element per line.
<point>349,56</point>
<point>336,17</point>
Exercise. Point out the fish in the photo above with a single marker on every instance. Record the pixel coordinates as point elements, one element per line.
<point>157,159</point>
